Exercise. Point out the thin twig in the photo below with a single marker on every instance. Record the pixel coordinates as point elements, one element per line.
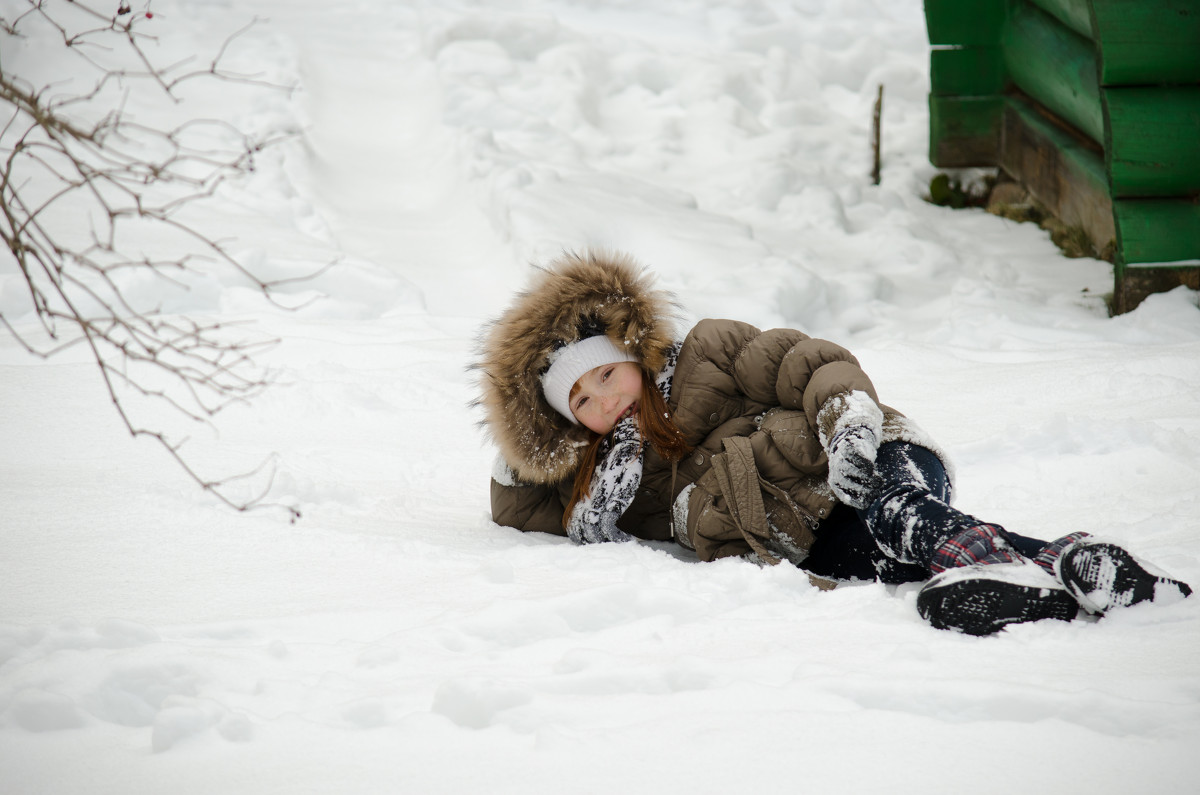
<point>125,172</point>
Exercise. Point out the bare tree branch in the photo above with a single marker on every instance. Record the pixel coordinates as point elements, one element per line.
<point>67,152</point>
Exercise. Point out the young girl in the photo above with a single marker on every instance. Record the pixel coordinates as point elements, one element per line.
<point>765,444</point>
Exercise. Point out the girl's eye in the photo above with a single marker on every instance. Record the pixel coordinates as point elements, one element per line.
<point>579,405</point>
<point>607,373</point>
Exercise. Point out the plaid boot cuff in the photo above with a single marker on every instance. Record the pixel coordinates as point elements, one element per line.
<point>1050,555</point>
<point>975,545</point>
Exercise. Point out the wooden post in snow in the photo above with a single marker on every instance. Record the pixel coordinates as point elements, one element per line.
<point>876,123</point>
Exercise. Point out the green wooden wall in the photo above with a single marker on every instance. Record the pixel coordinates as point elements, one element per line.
<point>1105,97</point>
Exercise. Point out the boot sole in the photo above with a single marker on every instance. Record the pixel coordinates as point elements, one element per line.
<point>982,606</point>
<point>1103,576</point>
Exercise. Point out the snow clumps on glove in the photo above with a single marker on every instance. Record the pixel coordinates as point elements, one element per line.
<point>851,444</point>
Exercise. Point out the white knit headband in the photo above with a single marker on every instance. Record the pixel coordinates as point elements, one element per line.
<point>573,360</point>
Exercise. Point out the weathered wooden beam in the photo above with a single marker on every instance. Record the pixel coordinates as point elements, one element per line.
<point>1055,66</point>
<point>955,22</point>
<point>1133,285</point>
<point>1141,42</point>
<point>1158,232</point>
<point>1152,140</point>
<point>966,72</point>
<point>1063,170</point>
<point>1093,105</point>
<point>1147,42</point>
<point>1075,14</point>
<point>964,131</point>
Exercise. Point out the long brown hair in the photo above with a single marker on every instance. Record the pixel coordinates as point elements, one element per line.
<point>657,428</point>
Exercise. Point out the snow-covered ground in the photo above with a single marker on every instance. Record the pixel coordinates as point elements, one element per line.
<point>395,639</point>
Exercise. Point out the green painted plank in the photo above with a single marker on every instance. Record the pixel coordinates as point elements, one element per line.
<point>964,131</point>
<point>1157,231</point>
<point>1153,146</point>
<point>966,71</point>
<point>964,21</point>
<point>1148,42</point>
<point>1055,66</point>
<point>1075,14</point>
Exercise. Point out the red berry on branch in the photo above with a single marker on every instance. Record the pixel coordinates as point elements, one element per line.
<point>149,15</point>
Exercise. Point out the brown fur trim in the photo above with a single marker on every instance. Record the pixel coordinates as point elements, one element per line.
<point>609,289</point>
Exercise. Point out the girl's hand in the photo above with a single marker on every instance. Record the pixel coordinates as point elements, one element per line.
<point>852,465</point>
<point>597,532</point>
<point>613,487</point>
<point>851,428</point>
<point>626,432</point>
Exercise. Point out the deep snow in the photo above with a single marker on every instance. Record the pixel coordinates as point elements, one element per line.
<point>395,640</point>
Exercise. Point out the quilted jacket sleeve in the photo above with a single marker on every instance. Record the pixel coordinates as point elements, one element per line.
<point>527,507</point>
<point>779,367</point>
<point>814,371</point>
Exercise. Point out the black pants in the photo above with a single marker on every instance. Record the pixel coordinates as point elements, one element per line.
<point>894,538</point>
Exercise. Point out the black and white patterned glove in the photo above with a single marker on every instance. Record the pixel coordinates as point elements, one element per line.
<point>852,447</point>
<point>852,465</point>
<point>614,485</point>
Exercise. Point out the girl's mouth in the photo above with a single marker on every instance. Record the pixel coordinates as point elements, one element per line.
<point>629,412</point>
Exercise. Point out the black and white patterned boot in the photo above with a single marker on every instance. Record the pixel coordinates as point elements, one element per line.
<point>1102,576</point>
<point>983,585</point>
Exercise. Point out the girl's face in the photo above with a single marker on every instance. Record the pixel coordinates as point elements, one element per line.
<point>605,395</point>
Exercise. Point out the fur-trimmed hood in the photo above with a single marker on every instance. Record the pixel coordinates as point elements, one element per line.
<point>575,296</point>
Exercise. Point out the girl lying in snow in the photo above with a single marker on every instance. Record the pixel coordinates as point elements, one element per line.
<point>765,444</point>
